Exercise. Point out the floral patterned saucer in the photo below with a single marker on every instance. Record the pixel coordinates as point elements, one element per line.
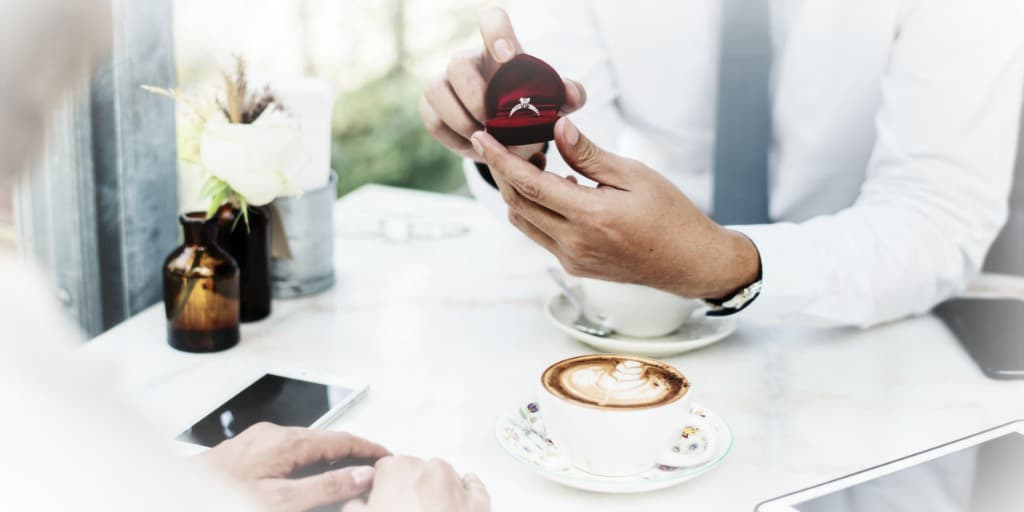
<point>522,435</point>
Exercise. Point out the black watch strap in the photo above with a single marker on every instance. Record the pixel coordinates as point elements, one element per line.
<point>736,302</point>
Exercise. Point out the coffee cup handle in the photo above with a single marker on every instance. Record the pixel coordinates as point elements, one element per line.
<point>697,444</point>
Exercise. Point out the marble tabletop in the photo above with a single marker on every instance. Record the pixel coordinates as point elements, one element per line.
<point>449,333</point>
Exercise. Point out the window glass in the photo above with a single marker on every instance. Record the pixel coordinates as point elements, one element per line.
<point>375,55</point>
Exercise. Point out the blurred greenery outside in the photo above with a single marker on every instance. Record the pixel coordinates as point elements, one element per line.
<point>378,138</point>
<point>377,135</point>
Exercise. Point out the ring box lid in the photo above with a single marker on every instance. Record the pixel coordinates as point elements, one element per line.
<point>525,76</point>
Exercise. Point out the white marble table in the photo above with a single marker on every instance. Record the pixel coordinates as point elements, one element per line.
<point>450,333</point>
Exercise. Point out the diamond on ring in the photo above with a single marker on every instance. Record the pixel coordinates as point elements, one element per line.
<point>524,103</point>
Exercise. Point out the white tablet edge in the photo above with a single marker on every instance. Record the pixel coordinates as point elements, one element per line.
<point>787,502</point>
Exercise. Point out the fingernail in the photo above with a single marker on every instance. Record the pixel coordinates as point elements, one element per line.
<point>362,475</point>
<point>503,50</point>
<point>479,148</point>
<point>569,84</point>
<point>572,135</point>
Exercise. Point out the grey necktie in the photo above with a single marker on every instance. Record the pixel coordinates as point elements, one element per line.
<point>744,114</point>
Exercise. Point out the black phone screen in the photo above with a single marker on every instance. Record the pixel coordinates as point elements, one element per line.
<point>992,331</point>
<point>280,400</point>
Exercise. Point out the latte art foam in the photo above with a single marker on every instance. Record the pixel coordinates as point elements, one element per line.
<point>616,382</point>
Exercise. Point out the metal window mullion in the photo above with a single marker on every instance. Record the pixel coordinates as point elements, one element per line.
<point>55,213</point>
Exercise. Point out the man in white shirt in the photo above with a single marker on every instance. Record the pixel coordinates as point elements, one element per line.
<point>893,133</point>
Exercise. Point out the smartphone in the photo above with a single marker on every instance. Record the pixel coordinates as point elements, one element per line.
<point>979,473</point>
<point>297,399</point>
<point>992,331</point>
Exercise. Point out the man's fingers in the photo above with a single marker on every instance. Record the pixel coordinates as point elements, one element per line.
<point>499,38</point>
<point>326,488</point>
<point>477,498</point>
<point>467,80</point>
<point>521,209</point>
<point>442,98</point>
<point>311,446</point>
<point>533,232</point>
<point>590,160</point>
<point>533,184</point>
<point>539,160</point>
<point>575,96</point>
<point>445,135</point>
<point>535,221</point>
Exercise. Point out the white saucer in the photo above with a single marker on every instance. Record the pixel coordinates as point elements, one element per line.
<point>522,435</point>
<point>699,331</point>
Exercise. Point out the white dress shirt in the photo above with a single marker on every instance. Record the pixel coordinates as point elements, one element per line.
<point>895,131</point>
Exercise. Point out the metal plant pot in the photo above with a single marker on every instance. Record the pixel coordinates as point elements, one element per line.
<point>308,223</point>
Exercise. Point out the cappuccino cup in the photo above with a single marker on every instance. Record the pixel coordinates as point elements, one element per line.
<point>634,310</point>
<point>615,415</point>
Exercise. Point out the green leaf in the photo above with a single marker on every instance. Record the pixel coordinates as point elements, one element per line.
<point>210,187</point>
<point>244,205</point>
<point>378,138</point>
<point>215,202</point>
<point>234,224</point>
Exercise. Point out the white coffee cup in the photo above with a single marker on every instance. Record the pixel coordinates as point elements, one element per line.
<point>615,440</point>
<point>634,310</point>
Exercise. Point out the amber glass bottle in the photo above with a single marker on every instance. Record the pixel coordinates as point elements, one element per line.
<point>201,290</point>
<point>250,247</point>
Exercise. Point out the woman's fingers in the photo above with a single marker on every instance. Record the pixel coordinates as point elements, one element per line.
<point>477,498</point>
<point>310,446</point>
<point>330,487</point>
<point>356,505</point>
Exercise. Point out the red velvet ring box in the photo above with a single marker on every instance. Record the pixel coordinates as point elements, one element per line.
<point>524,80</point>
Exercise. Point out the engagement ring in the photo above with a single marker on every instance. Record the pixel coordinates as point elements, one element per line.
<point>524,103</point>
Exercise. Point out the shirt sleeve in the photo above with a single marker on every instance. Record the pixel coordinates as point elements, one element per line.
<point>565,35</point>
<point>937,182</point>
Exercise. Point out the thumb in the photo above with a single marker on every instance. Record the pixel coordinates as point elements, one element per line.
<point>588,159</point>
<point>330,487</point>
<point>499,37</point>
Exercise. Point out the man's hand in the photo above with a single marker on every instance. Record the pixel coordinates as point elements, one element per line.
<point>263,456</point>
<point>409,484</point>
<point>452,107</point>
<point>635,227</point>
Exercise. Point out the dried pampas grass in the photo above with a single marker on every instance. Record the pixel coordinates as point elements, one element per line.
<point>242,106</point>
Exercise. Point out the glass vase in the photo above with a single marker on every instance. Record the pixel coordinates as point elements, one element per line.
<point>201,290</point>
<point>250,247</point>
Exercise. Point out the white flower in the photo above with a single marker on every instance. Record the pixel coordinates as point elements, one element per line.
<point>256,159</point>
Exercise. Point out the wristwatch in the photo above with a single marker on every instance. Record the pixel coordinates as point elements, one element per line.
<point>736,303</point>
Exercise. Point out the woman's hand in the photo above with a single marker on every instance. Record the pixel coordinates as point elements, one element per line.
<point>408,484</point>
<point>262,457</point>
